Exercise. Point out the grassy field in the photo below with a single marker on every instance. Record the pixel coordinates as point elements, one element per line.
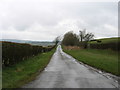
<point>105,43</point>
<point>106,40</point>
<point>106,60</point>
<point>25,71</point>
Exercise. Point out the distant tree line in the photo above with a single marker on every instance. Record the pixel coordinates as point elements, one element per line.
<point>15,52</point>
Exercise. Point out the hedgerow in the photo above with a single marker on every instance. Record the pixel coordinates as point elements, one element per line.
<point>13,53</point>
<point>111,45</point>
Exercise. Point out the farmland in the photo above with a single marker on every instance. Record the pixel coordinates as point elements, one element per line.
<point>38,43</point>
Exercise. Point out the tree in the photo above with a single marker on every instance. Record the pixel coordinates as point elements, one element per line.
<point>82,35</point>
<point>85,36</point>
<point>70,39</point>
<point>57,40</point>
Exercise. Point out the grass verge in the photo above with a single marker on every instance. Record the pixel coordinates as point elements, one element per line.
<point>106,60</point>
<point>25,71</point>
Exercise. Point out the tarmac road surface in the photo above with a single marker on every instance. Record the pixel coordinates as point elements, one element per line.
<point>63,71</point>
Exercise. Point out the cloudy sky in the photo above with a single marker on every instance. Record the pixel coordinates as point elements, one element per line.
<point>46,19</point>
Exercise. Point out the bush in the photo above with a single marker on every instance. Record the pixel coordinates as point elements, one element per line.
<point>83,44</point>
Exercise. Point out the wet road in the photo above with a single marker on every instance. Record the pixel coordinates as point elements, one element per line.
<point>64,72</point>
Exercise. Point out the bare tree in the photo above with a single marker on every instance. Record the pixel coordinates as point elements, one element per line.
<point>82,34</point>
<point>57,40</point>
<point>85,36</point>
<point>88,36</point>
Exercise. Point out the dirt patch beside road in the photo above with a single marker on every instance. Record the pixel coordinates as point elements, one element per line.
<point>72,47</point>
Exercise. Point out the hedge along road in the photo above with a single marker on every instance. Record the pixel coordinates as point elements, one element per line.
<point>63,71</point>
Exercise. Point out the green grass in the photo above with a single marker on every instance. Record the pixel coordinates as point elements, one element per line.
<point>25,71</point>
<point>106,40</point>
<point>106,60</point>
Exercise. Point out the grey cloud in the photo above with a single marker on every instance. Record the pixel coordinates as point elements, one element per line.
<point>57,18</point>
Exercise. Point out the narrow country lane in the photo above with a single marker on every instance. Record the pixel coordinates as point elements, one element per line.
<point>63,71</point>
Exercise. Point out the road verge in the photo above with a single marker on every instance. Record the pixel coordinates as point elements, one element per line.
<point>25,71</point>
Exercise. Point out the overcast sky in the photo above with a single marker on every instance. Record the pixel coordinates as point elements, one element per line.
<point>46,19</point>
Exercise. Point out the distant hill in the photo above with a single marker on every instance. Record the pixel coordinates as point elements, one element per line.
<point>40,43</point>
<point>105,40</point>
